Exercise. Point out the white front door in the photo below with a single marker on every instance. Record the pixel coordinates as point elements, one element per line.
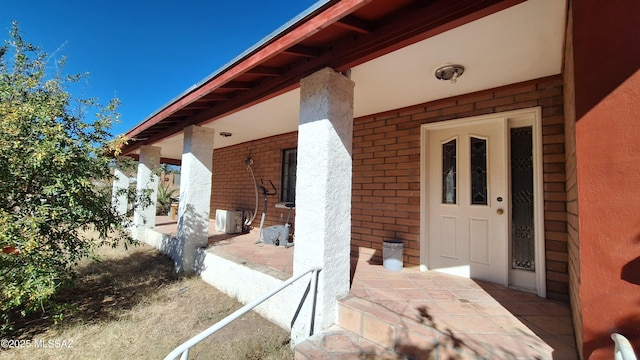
<point>467,190</point>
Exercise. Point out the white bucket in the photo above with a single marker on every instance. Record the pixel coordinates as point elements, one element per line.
<point>392,251</point>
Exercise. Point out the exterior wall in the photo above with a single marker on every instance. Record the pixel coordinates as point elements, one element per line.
<point>607,88</point>
<point>233,187</point>
<point>170,179</point>
<point>573,225</point>
<point>386,171</point>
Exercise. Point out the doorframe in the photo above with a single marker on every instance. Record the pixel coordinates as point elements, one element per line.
<point>516,118</point>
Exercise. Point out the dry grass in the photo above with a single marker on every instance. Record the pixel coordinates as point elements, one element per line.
<point>131,305</point>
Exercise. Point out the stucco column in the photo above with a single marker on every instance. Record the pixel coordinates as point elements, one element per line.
<point>195,195</point>
<point>323,193</point>
<point>119,199</point>
<point>144,217</point>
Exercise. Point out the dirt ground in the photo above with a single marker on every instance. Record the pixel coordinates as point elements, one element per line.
<point>132,305</point>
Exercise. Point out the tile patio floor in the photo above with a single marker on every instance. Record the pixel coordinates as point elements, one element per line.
<point>410,314</point>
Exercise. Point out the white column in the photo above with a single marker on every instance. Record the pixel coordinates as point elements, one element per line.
<point>144,217</point>
<point>195,195</point>
<point>323,193</point>
<point>119,199</point>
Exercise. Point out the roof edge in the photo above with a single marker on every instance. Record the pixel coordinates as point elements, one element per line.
<point>280,31</point>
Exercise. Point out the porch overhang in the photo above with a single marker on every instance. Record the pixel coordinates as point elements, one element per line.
<point>347,35</point>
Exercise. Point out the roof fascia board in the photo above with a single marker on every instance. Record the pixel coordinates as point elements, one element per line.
<point>287,35</point>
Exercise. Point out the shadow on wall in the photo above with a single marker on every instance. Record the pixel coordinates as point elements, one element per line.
<point>631,271</point>
<point>629,326</point>
<point>186,248</point>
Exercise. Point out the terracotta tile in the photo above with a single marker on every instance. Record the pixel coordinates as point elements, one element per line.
<point>383,314</point>
<point>478,324</point>
<point>569,340</point>
<point>378,284</point>
<point>383,294</point>
<point>428,284</point>
<point>359,304</point>
<point>350,319</point>
<point>347,356</point>
<point>489,308</point>
<point>306,351</point>
<point>468,295</point>
<point>377,331</point>
<point>460,286</point>
<point>412,294</point>
<point>457,308</point>
<point>511,325</point>
<point>413,346</point>
<point>515,347</point>
<point>551,308</point>
<point>444,323</point>
<point>372,351</point>
<point>392,275</point>
<point>551,324</point>
<point>466,345</point>
<point>441,295</point>
<point>402,284</point>
<point>421,329</point>
<point>561,350</point>
<point>368,275</point>
<point>340,342</point>
<point>359,292</point>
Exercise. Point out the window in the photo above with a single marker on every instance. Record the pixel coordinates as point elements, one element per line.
<point>449,172</point>
<point>289,167</point>
<point>478,171</point>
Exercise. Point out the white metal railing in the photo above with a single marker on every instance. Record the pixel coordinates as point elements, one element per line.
<point>623,349</point>
<point>183,349</point>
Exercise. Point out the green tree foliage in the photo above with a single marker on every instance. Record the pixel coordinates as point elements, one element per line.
<point>165,193</point>
<point>54,178</point>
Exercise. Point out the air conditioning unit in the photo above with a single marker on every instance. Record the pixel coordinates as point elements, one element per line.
<point>229,221</point>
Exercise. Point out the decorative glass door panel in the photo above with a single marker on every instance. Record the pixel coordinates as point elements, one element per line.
<point>478,149</point>
<point>522,224</point>
<point>449,172</point>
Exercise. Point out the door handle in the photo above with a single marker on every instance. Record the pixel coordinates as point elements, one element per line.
<point>499,211</point>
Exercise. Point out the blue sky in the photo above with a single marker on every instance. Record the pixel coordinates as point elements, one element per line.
<point>145,52</point>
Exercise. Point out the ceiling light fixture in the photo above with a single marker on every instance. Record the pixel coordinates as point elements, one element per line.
<point>449,72</point>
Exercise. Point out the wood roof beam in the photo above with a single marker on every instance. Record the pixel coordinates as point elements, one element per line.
<point>265,71</point>
<point>355,24</point>
<point>304,51</point>
<point>237,85</point>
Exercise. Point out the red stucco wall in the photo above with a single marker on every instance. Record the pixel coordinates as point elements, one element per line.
<point>606,53</point>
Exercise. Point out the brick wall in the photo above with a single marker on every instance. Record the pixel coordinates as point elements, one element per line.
<point>386,171</point>
<point>232,186</point>
<point>573,238</point>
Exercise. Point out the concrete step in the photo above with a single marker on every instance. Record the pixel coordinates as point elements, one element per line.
<point>338,343</point>
<point>407,333</point>
<point>368,330</point>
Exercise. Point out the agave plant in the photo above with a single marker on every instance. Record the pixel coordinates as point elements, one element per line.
<point>165,193</point>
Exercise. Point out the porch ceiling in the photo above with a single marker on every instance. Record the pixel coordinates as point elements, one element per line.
<point>392,49</point>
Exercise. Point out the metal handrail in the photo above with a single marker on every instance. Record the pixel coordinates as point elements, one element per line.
<point>183,349</point>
